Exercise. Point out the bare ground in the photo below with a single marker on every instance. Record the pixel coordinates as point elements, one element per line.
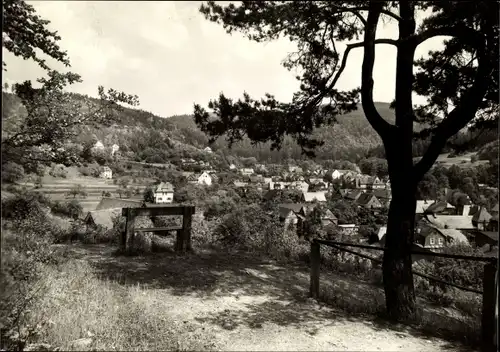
<point>250,303</point>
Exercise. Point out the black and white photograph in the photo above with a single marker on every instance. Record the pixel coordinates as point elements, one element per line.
<point>250,175</point>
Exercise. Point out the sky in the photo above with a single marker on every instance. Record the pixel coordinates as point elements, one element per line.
<point>172,57</point>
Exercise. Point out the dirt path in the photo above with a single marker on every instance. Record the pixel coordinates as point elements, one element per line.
<point>253,304</point>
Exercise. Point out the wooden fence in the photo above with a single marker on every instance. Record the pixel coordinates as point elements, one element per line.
<point>183,238</point>
<point>490,283</point>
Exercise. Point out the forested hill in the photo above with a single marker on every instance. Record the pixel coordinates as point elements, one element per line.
<point>141,132</point>
<point>348,139</point>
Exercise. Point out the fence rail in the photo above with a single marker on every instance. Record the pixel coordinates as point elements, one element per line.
<point>489,292</point>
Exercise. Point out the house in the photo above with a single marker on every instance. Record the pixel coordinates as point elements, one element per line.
<point>368,182</point>
<point>105,172</point>
<point>267,180</point>
<point>247,171</point>
<point>164,193</point>
<point>353,195</point>
<point>319,182</point>
<point>337,174</point>
<point>260,167</point>
<point>494,211</point>
<point>288,214</point>
<point>479,238</point>
<point>349,229</point>
<point>103,218</point>
<point>300,186</point>
<point>114,148</point>
<point>458,222</point>
<point>429,236</point>
<point>314,196</point>
<point>295,169</point>
<point>98,145</point>
<point>203,178</point>
<point>481,219</point>
<point>232,167</point>
<point>239,184</point>
<point>111,203</point>
<point>383,195</point>
<point>440,207</point>
<point>207,150</point>
<point>369,201</point>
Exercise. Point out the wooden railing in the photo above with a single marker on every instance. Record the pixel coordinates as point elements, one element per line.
<point>490,289</point>
<point>183,238</point>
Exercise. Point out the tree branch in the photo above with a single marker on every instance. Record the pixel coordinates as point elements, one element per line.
<point>376,121</point>
<point>467,34</point>
<point>346,54</point>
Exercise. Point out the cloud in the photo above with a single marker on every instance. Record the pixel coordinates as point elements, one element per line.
<point>171,56</point>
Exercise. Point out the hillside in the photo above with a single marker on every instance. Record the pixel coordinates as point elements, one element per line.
<point>152,137</point>
<point>351,136</point>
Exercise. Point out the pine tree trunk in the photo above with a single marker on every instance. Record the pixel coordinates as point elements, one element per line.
<point>397,262</point>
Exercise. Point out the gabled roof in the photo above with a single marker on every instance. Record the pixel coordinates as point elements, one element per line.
<point>482,215</point>
<point>365,198</point>
<point>456,235</point>
<point>422,205</point>
<point>382,193</point>
<point>103,217</point>
<point>353,195</point>
<point>438,207</point>
<point>164,187</point>
<point>495,208</point>
<point>451,221</point>
<point>295,207</point>
<point>311,196</point>
<point>111,203</point>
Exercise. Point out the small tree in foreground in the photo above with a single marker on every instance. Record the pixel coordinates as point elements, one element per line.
<point>460,82</point>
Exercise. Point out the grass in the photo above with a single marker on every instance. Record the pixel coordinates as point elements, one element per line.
<point>79,305</point>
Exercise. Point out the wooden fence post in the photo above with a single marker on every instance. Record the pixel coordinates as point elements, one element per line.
<point>129,232</point>
<point>186,228</point>
<point>488,311</point>
<point>315,263</point>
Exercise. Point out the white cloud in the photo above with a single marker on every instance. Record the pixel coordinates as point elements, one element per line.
<point>169,55</point>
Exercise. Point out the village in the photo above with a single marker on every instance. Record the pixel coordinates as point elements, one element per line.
<point>438,224</point>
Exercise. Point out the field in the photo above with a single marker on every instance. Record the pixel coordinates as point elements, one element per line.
<point>57,188</point>
<point>460,161</point>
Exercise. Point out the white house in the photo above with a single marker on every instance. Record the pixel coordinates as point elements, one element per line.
<point>99,145</point>
<point>232,167</point>
<point>164,193</point>
<point>202,179</point>
<point>247,171</point>
<point>114,148</point>
<point>208,150</point>
<point>105,172</point>
<point>312,196</point>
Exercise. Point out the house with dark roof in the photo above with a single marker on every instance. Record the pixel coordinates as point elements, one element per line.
<point>113,203</point>
<point>353,195</point>
<point>103,218</point>
<point>369,201</point>
<point>383,195</point>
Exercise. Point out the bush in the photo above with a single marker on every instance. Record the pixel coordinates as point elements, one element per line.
<point>26,250</point>
<point>58,171</point>
<point>12,172</point>
<point>25,204</point>
<point>72,209</point>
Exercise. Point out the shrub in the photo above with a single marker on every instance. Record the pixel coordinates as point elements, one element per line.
<point>12,172</point>
<point>58,171</point>
<point>26,250</point>
<point>25,204</point>
<point>72,209</point>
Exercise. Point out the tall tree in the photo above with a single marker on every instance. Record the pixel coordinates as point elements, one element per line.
<point>460,82</point>
<point>52,114</point>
